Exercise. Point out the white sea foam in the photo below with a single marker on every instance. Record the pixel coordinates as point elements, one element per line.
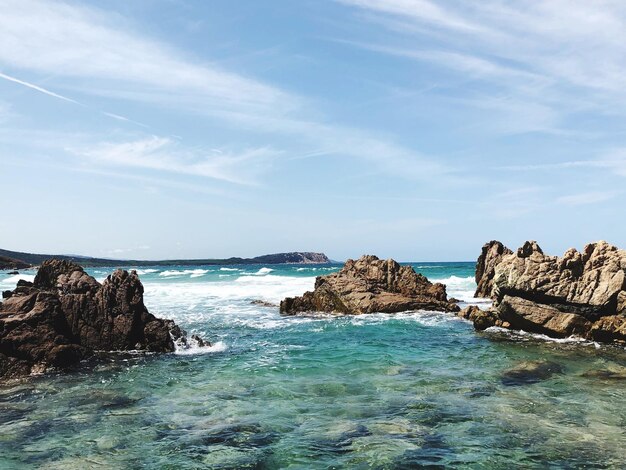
<point>261,272</point>
<point>229,269</point>
<point>192,347</point>
<point>423,317</point>
<point>269,288</point>
<point>11,281</point>
<point>185,272</point>
<point>141,272</point>
<point>461,288</point>
<point>525,335</point>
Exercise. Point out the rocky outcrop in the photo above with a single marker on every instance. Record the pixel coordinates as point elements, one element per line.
<point>580,293</point>
<point>296,257</point>
<point>12,263</point>
<point>490,256</point>
<point>370,285</point>
<point>65,315</point>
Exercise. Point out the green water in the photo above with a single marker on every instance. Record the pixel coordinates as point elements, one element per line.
<point>398,391</point>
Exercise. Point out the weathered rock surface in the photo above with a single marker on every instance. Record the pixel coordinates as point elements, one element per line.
<point>65,315</point>
<point>370,285</point>
<point>580,293</point>
<point>491,255</point>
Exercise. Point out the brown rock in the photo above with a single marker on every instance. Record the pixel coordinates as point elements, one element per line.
<point>66,314</point>
<point>530,372</point>
<point>522,314</point>
<point>580,293</point>
<point>370,285</point>
<point>591,281</point>
<point>609,328</point>
<point>482,319</point>
<point>491,255</point>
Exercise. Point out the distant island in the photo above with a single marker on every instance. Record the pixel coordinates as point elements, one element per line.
<point>19,260</point>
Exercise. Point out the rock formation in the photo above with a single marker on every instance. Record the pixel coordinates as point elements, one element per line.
<point>65,315</point>
<point>370,285</point>
<point>491,255</point>
<point>580,293</point>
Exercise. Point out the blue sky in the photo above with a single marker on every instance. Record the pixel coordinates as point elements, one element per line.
<point>404,128</point>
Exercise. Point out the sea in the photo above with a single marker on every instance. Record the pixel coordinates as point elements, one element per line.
<point>380,391</point>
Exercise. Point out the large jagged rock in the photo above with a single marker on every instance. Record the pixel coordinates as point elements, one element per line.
<point>65,315</point>
<point>370,285</point>
<point>580,293</point>
<point>491,255</point>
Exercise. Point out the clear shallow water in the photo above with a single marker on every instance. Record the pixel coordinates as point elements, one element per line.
<point>374,391</point>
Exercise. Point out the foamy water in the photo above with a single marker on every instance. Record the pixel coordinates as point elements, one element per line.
<point>406,390</point>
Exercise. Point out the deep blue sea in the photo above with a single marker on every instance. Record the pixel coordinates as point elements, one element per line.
<point>409,390</point>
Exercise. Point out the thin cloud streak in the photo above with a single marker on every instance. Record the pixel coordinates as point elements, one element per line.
<point>591,197</point>
<point>564,58</point>
<point>38,88</point>
<point>45,91</point>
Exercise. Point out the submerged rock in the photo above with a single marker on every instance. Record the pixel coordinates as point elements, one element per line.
<point>530,372</point>
<point>263,303</point>
<point>581,294</point>
<point>610,373</point>
<point>370,285</point>
<point>65,315</point>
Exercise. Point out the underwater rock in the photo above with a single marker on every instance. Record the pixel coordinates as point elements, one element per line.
<point>263,303</point>
<point>580,293</point>
<point>65,314</point>
<point>370,285</point>
<point>611,373</point>
<point>530,372</point>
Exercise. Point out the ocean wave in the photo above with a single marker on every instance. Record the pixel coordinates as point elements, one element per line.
<point>190,272</point>
<point>229,269</point>
<point>141,272</point>
<point>526,336</point>
<point>270,288</point>
<point>261,272</point>
<point>193,348</point>
<point>461,288</point>
<point>11,281</point>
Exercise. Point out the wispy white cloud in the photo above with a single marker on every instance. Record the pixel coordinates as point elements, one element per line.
<point>77,42</point>
<point>614,161</point>
<point>591,197</point>
<point>98,53</point>
<point>166,155</point>
<point>560,58</point>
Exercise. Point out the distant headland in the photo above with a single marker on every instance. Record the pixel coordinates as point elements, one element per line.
<point>20,260</point>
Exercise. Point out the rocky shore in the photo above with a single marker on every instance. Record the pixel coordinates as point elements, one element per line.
<point>579,294</point>
<point>370,285</point>
<point>65,315</point>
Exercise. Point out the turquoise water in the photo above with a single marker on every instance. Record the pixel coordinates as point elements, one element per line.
<point>410,390</point>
